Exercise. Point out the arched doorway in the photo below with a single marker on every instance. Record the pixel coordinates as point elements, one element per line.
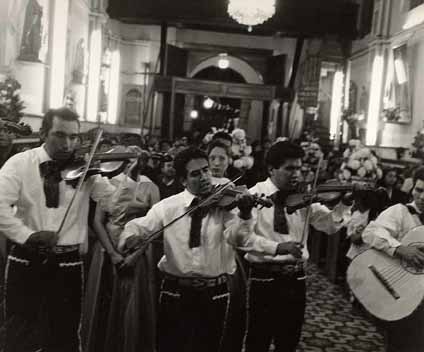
<point>224,110</point>
<point>239,71</point>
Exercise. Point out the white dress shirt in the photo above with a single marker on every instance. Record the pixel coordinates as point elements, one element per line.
<point>322,218</point>
<point>390,227</point>
<point>221,230</point>
<point>22,185</point>
<point>357,220</point>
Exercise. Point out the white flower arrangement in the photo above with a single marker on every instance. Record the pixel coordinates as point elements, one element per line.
<point>359,163</point>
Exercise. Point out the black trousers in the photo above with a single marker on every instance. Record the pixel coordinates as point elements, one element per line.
<point>43,298</point>
<point>275,310</point>
<point>192,319</point>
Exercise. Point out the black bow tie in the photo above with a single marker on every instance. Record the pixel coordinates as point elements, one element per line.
<point>414,211</point>
<point>50,171</point>
<point>196,223</point>
<point>280,221</point>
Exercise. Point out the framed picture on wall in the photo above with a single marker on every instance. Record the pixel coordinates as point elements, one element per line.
<point>397,100</point>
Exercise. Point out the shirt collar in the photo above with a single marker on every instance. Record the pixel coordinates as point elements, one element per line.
<point>188,198</point>
<point>270,187</point>
<point>412,204</point>
<point>42,154</point>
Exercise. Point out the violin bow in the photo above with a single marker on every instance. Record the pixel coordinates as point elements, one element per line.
<point>150,238</point>
<point>308,210</point>
<point>82,178</point>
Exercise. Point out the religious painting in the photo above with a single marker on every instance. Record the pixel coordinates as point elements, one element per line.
<point>32,32</point>
<point>133,105</point>
<point>78,69</point>
<point>353,96</point>
<point>396,99</point>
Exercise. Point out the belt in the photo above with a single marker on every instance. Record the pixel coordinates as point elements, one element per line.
<point>198,282</point>
<point>279,268</point>
<point>52,250</point>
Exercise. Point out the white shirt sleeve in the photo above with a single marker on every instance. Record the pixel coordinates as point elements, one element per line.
<point>381,233</point>
<point>240,233</point>
<point>326,220</point>
<point>153,221</point>
<point>10,188</point>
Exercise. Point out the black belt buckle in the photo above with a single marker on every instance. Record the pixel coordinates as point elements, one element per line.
<point>199,283</point>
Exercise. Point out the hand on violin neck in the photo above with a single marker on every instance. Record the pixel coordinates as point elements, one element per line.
<point>245,202</point>
<point>348,198</point>
<point>132,243</point>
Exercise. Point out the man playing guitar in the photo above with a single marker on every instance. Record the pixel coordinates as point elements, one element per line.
<point>386,234</point>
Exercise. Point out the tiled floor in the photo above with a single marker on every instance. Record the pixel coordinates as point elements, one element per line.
<point>331,325</point>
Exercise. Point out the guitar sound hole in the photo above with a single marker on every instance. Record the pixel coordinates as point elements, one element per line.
<point>412,268</point>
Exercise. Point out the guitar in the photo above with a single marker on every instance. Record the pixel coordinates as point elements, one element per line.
<point>388,287</point>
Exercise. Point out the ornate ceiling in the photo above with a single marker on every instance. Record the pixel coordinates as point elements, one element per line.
<point>295,18</point>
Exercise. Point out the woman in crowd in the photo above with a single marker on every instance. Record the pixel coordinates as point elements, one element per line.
<point>389,183</point>
<point>219,156</point>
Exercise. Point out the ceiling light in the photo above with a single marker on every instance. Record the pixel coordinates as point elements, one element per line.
<point>194,114</point>
<point>208,103</point>
<point>251,12</point>
<point>223,61</point>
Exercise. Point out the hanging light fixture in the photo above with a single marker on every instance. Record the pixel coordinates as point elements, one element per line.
<point>208,103</point>
<point>223,61</point>
<point>251,12</point>
<point>194,114</point>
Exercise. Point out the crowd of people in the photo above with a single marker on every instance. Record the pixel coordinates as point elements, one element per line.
<point>151,259</point>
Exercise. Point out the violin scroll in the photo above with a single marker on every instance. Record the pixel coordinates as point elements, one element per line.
<point>229,198</point>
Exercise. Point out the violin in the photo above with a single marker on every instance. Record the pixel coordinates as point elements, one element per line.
<point>227,199</point>
<point>222,195</point>
<point>107,164</point>
<point>325,193</point>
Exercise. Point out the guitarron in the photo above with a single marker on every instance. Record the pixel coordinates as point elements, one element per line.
<point>388,287</point>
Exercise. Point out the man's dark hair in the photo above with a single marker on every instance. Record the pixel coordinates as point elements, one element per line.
<point>281,151</point>
<point>219,144</point>
<point>184,157</point>
<point>419,174</point>
<point>222,135</point>
<point>62,113</point>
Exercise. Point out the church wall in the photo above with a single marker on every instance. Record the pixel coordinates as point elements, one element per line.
<point>389,31</point>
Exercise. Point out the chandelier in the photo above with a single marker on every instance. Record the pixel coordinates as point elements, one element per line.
<point>251,12</point>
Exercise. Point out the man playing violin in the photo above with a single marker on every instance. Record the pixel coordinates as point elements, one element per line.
<point>385,234</point>
<point>198,257</point>
<point>276,284</point>
<point>44,271</point>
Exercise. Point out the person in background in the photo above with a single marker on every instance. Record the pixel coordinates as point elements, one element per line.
<point>168,183</point>
<point>155,166</point>
<point>226,139</point>
<point>164,146</point>
<point>105,145</point>
<point>389,183</point>
<point>219,155</point>
<point>366,207</point>
<point>385,234</point>
<point>114,284</point>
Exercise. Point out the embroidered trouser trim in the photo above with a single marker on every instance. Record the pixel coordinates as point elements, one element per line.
<point>275,307</point>
<point>43,299</point>
<point>192,319</point>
